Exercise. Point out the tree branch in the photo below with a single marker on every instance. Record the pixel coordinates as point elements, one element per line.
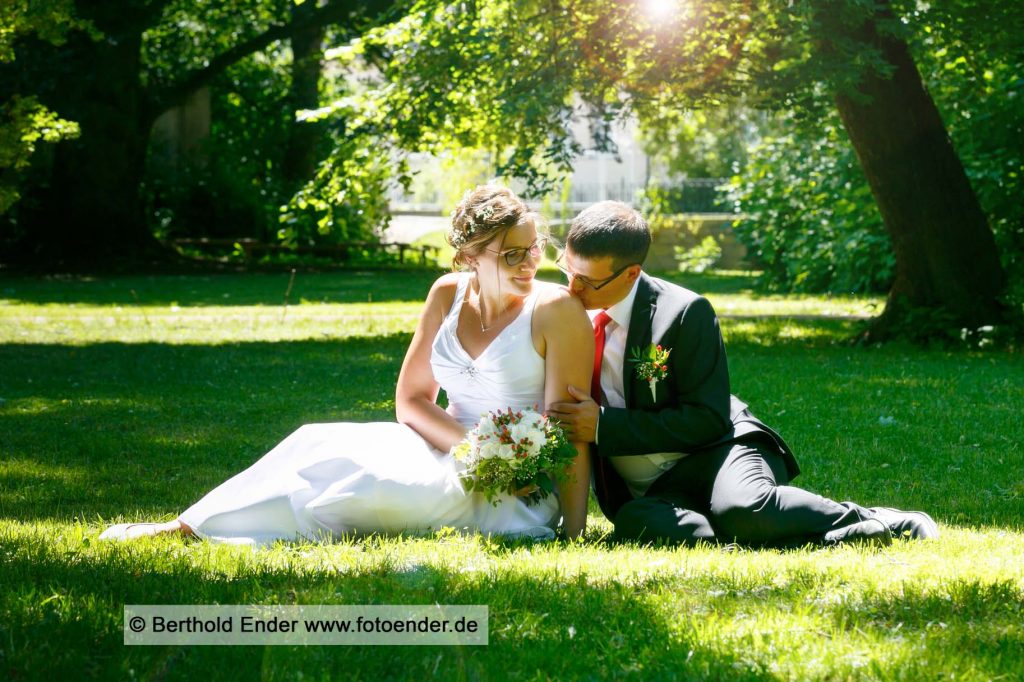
<point>155,10</point>
<point>335,12</point>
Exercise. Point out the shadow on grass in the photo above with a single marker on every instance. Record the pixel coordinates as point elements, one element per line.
<point>976,625</point>
<point>714,282</point>
<point>269,288</point>
<point>788,332</point>
<point>539,625</point>
<point>119,428</point>
<point>222,289</point>
<point>63,620</point>
<point>144,430</point>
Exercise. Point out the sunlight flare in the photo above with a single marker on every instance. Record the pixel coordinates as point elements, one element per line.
<point>661,10</point>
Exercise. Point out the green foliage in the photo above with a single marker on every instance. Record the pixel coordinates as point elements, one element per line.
<point>684,196</point>
<point>702,143</point>
<point>236,187</point>
<point>809,217</point>
<point>24,121</point>
<point>187,34</point>
<point>971,59</point>
<point>700,257</point>
<point>470,74</point>
<point>442,87</point>
<point>232,185</point>
<point>49,20</point>
<point>345,201</point>
<point>447,181</point>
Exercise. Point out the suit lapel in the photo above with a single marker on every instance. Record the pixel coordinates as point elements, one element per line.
<point>639,333</point>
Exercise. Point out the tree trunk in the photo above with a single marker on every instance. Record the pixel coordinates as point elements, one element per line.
<point>302,153</point>
<point>89,212</point>
<point>947,263</point>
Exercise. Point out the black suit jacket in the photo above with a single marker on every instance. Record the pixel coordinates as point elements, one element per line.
<point>692,409</point>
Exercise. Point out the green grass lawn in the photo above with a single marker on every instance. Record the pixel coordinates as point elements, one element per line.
<point>128,398</point>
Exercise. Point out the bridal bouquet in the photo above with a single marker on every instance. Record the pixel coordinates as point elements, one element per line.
<point>509,450</point>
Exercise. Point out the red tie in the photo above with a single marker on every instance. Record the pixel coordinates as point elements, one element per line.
<point>600,322</point>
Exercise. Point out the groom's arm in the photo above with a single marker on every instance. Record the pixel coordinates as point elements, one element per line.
<point>697,411</point>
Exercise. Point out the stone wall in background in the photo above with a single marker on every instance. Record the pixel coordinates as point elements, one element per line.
<point>675,236</point>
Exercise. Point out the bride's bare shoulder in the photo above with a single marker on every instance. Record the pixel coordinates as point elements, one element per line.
<point>557,306</point>
<point>447,282</point>
<point>442,292</point>
<point>549,294</point>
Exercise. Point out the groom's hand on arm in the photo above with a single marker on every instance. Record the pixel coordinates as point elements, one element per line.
<point>578,419</point>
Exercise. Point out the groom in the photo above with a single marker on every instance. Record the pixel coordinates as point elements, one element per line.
<point>679,458</point>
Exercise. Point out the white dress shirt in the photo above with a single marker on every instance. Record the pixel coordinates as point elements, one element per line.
<point>641,470</point>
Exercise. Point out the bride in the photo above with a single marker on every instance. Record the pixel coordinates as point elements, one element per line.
<point>492,338</point>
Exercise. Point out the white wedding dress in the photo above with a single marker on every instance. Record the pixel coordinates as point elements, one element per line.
<point>349,478</point>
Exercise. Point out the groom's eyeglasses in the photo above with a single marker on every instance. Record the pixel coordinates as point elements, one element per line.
<point>514,257</point>
<point>595,285</point>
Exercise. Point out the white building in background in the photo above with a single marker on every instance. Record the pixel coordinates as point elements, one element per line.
<point>596,176</point>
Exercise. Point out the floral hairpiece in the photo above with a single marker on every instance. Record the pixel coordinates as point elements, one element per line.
<point>459,239</point>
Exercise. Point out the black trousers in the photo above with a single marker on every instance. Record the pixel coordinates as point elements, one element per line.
<point>733,493</point>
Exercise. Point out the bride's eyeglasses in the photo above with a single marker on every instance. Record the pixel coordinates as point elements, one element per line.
<point>514,257</point>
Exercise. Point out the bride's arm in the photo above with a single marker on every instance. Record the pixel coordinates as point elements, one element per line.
<point>416,392</point>
<point>568,359</point>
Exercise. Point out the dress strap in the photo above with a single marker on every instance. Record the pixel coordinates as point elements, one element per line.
<point>460,295</point>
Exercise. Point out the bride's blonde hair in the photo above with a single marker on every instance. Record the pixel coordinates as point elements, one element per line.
<point>481,215</point>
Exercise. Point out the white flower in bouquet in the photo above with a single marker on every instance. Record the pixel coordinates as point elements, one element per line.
<point>508,451</point>
<point>492,449</point>
<point>530,434</point>
<point>486,429</point>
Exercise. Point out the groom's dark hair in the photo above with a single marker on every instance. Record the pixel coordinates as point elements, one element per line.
<point>610,228</point>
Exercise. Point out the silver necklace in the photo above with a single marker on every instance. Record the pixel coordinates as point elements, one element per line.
<point>480,307</point>
<point>480,314</point>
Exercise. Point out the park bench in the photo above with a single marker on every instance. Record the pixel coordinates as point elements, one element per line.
<point>251,248</point>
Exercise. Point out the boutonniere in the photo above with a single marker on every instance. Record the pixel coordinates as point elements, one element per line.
<point>651,364</point>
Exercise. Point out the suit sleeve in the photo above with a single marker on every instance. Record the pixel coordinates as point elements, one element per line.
<point>698,410</point>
